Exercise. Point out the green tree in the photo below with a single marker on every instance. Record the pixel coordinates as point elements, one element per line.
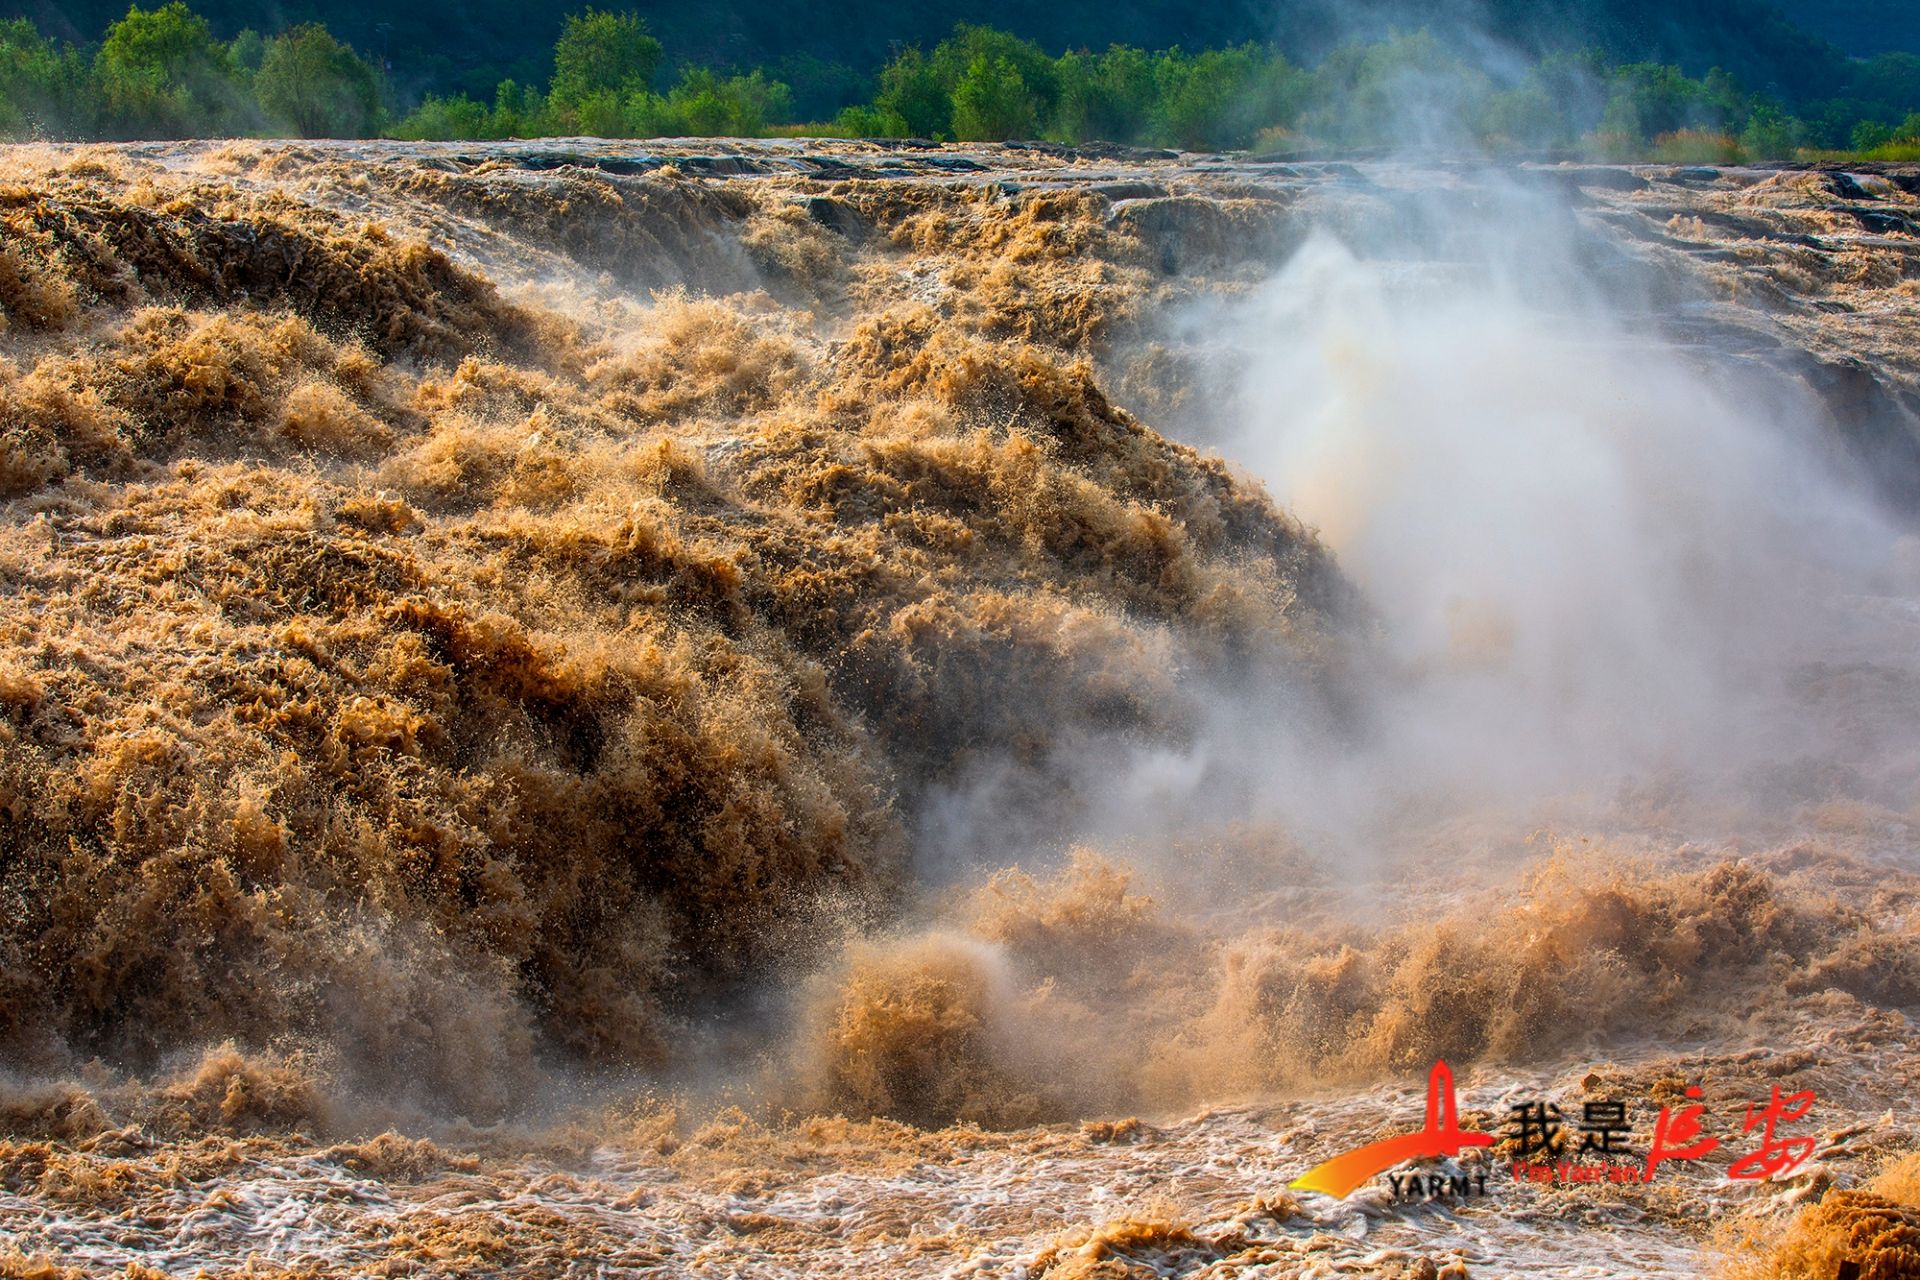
<point>44,88</point>
<point>247,51</point>
<point>1771,134</point>
<point>519,111</point>
<point>991,102</point>
<point>734,106</point>
<point>1220,99</point>
<point>1110,96</point>
<point>870,122</point>
<point>1883,87</point>
<point>444,120</point>
<point>820,88</point>
<point>978,83</point>
<point>317,86</point>
<point>955,56</point>
<point>640,115</point>
<point>1648,100</point>
<point>1558,102</point>
<point>602,53</point>
<point>1404,91</point>
<point>1869,134</point>
<point>911,91</point>
<point>162,74</point>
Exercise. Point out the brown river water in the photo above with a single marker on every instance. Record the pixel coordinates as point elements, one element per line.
<point>816,708</point>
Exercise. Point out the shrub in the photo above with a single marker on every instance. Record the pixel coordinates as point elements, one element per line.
<point>1109,95</point>
<point>1869,134</point>
<point>737,106</point>
<point>911,91</point>
<point>317,86</point>
<point>871,122</point>
<point>1696,146</point>
<point>1771,135</point>
<point>43,88</point>
<point>1401,91</point>
<point>991,102</point>
<point>1220,99</point>
<point>445,119</point>
<point>162,74</point>
<point>602,53</point>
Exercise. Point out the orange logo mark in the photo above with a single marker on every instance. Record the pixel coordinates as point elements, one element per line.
<point>1442,1136</point>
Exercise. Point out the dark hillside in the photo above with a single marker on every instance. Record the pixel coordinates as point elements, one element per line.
<point>471,46</point>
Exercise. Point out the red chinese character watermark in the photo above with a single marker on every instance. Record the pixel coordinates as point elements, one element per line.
<point>1677,1136</point>
<point>1775,1157</point>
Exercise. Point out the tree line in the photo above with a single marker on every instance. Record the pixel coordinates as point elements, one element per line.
<point>163,73</point>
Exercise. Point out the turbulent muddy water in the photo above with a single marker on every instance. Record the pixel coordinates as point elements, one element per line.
<point>808,708</point>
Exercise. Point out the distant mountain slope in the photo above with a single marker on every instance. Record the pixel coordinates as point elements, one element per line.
<point>1861,27</point>
<point>439,44</point>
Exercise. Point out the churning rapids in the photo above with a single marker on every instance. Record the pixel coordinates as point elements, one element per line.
<point>798,709</point>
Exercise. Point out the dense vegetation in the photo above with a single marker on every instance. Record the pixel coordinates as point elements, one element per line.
<point>166,73</point>
<point>455,46</point>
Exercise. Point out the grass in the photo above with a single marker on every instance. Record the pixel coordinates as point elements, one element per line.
<point>1901,151</point>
